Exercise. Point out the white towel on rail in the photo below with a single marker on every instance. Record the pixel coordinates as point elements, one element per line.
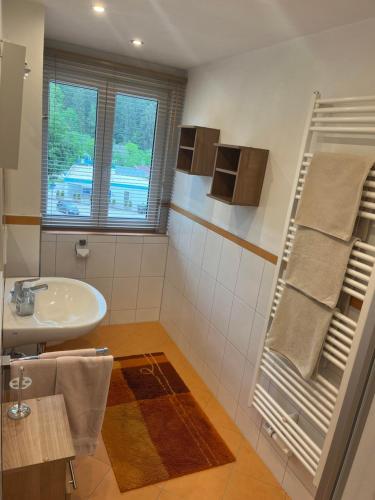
<point>317,265</point>
<point>332,193</point>
<point>298,330</point>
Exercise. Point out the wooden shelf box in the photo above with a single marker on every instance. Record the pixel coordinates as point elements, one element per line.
<point>238,174</point>
<point>196,152</point>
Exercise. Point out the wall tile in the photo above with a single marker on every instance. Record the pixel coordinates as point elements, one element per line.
<point>232,369</point>
<point>68,265</point>
<point>227,399</point>
<point>153,260</point>
<point>128,259</point>
<point>124,293</point>
<point>274,460</point>
<point>229,264</point>
<point>211,380</point>
<point>101,238</point>
<point>71,237</point>
<point>100,260</point>
<point>255,338</point>
<point>192,277</point>
<point>199,333</point>
<point>205,297</point>
<point>240,324</point>
<point>155,239</point>
<point>212,252</point>
<point>46,236</point>
<point>248,428</point>
<point>294,488</point>
<point>122,317</point>
<point>48,258</point>
<point>221,308</point>
<point>23,250</point>
<point>129,238</point>
<point>246,386</point>
<point>175,268</point>
<point>150,290</point>
<point>197,243</point>
<point>265,289</point>
<point>104,285</point>
<point>184,238</point>
<point>147,315</point>
<point>215,345</point>
<point>249,278</point>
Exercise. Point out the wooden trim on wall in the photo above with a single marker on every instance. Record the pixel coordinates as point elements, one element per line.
<point>270,257</point>
<point>22,220</point>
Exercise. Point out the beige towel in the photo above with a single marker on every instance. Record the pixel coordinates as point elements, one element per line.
<point>76,352</point>
<point>332,193</point>
<point>317,265</point>
<point>42,373</point>
<point>299,329</point>
<point>84,382</point>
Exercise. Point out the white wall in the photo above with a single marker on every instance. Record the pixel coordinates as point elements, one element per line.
<point>23,23</point>
<point>260,99</point>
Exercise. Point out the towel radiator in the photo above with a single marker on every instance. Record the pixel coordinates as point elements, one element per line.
<point>348,123</point>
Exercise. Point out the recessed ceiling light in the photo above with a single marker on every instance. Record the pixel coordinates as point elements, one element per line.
<point>99,8</point>
<point>137,42</point>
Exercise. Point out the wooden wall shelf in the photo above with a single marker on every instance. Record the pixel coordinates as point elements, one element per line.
<point>196,152</point>
<point>238,174</point>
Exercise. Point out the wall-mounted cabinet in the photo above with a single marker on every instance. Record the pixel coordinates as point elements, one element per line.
<point>238,174</point>
<point>196,152</point>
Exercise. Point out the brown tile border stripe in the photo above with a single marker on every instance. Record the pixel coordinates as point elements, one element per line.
<point>357,304</point>
<point>22,220</point>
<point>226,234</point>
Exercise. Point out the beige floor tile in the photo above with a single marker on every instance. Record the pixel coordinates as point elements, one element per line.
<point>108,490</point>
<point>248,462</point>
<point>205,485</point>
<point>244,487</point>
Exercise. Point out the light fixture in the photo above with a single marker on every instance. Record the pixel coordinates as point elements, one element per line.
<point>137,42</point>
<point>99,9</point>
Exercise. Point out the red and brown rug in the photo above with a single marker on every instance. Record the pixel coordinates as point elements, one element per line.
<point>153,428</point>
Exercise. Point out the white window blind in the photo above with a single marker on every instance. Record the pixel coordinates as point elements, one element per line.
<point>109,145</point>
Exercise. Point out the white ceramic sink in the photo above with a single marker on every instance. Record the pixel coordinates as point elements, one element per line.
<point>68,309</point>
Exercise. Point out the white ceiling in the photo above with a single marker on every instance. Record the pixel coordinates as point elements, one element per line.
<point>185,33</point>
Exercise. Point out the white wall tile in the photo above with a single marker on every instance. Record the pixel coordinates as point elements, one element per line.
<point>229,264</point>
<point>232,369</point>
<point>248,428</point>
<point>122,317</point>
<point>274,460</point>
<point>100,260</point>
<point>104,285</point>
<point>246,386</point>
<point>212,252</point>
<point>211,380</point>
<point>255,338</point>
<point>175,268</point>
<point>150,291</point>
<point>68,265</point>
<point>184,238</point>
<point>294,488</point>
<point>228,401</point>
<point>197,243</point>
<point>240,324</point>
<point>153,239</point>
<point>192,277</point>
<point>47,236</point>
<point>128,259</point>
<point>205,297</point>
<point>101,238</point>
<point>221,308</point>
<point>265,288</point>
<point>124,293</point>
<point>153,259</point>
<point>215,345</point>
<point>48,258</point>
<point>71,237</point>
<point>22,253</point>
<point>199,333</point>
<point>249,278</point>
<point>129,238</point>
<point>147,315</point>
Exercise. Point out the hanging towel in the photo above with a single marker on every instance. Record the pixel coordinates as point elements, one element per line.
<point>317,265</point>
<point>77,352</point>
<point>84,382</point>
<point>332,193</point>
<point>299,329</point>
<point>42,373</point>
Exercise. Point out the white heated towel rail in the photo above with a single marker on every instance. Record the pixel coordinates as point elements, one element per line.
<point>350,121</point>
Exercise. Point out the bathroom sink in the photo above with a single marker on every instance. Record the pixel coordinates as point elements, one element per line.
<point>68,309</point>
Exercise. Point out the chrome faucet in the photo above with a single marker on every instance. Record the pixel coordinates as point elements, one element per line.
<point>18,287</point>
<point>25,301</point>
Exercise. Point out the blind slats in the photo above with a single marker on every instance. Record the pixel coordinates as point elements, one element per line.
<point>109,147</point>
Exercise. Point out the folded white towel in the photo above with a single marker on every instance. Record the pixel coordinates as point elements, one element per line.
<point>77,352</point>
<point>84,382</point>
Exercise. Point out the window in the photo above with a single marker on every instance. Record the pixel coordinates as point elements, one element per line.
<point>109,148</point>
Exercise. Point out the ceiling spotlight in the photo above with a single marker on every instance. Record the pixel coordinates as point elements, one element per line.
<point>99,9</point>
<point>137,42</point>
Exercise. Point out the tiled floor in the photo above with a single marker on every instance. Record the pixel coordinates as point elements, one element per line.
<point>247,478</point>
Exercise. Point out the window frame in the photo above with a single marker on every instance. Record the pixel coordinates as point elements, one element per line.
<point>107,90</point>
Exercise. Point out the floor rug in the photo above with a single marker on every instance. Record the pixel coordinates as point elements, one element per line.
<point>153,428</point>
